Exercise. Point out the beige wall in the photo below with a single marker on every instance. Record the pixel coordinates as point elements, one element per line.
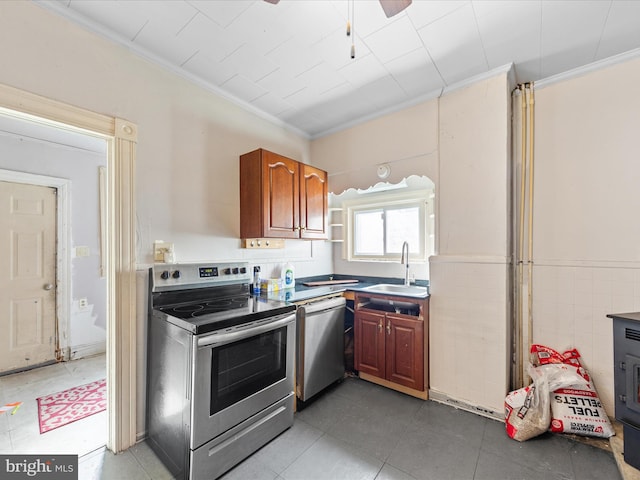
<point>586,202</point>
<point>187,185</point>
<point>469,330</point>
<point>461,142</point>
<point>474,170</point>
<point>407,141</point>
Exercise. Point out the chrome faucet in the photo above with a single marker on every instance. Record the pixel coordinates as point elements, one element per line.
<point>405,261</point>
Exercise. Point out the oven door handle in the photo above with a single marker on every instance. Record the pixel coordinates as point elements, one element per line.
<point>224,338</point>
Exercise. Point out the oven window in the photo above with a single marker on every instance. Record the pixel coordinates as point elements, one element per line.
<point>243,368</point>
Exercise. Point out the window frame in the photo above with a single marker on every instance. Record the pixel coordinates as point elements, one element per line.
<point>388,201</point>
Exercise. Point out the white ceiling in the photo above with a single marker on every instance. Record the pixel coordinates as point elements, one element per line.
<point>291,61</point>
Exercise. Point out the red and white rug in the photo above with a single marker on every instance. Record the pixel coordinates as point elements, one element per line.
<point>62,408</point>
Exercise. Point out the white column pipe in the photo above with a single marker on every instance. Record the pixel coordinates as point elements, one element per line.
<point>521,220</point>
<point>530,128</point>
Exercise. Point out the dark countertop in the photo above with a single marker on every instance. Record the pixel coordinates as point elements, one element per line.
<point>302,292</point>
<point>635,316</point>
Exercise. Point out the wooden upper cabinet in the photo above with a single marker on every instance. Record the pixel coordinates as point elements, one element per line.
<point>281,198</point>
<point>313,202</point>
<point>280,192</point>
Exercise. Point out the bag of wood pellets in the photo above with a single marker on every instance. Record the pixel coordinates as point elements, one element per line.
<point>527,411</point>
<point>579,410</point>
<point>575,405</point>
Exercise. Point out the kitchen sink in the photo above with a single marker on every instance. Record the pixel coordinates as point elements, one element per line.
<point>393,289</point>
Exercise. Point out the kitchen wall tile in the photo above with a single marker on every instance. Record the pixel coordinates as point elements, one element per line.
<point>602,299</point>
<point>603,275</point>
<point>468,331</point>
<point>584,298</point>
<point>621,302</point>
<point>575,313</point>
<point>583,320</point>
<point>492,395</point>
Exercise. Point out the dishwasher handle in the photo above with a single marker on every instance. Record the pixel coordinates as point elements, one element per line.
<point>318,306</point>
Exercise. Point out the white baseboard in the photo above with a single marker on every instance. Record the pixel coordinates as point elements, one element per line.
<point>87,350</point>
<point>462,405</point>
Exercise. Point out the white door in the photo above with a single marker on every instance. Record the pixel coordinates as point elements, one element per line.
<point>27,275</point>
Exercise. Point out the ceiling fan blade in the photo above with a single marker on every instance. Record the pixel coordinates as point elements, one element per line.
<point>272,1</point>
<point>393,7</point>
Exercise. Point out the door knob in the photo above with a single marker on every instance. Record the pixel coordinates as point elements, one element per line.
<point>48,286</point>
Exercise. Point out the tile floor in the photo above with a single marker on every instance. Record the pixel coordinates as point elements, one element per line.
<point>355,430</point>
<point>20,433</point>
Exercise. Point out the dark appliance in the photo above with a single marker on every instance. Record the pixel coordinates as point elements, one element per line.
<point>626,354</point>
<point>220,367</point>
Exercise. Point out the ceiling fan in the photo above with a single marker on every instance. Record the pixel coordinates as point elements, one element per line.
<point>390,7</point>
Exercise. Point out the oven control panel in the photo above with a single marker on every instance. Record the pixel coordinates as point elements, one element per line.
<point>169,276</point>
<point>208,272</point>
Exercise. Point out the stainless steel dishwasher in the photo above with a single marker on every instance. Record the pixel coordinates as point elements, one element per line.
<point>320,356</point>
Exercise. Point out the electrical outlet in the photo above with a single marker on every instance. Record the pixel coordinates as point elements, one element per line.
<point>82,251</point>
<point>160,250</point>
<point>412,278</point>
<point>82,303</point>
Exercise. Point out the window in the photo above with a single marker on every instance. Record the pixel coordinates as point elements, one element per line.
<point>377,226</point>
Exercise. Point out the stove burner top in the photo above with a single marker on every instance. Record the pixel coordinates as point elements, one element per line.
<point>208,315</point>
<point>198,309</point>
<point>208,297</point>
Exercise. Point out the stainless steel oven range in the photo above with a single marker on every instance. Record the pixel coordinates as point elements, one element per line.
<point>220,367</point>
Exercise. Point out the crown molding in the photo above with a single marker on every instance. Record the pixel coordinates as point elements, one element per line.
<point>92,27</point>
<point>585,69</point>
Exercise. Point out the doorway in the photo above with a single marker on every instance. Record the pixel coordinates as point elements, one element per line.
<point>46,217</point>
<point>121,136</point>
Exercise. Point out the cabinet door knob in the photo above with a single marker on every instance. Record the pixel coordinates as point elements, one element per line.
<point>388,327</point>
<point>380,326</point>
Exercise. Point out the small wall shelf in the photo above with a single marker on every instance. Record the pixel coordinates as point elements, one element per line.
<point>336,235</point>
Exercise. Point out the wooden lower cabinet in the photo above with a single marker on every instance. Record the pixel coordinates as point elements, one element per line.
<point>369,342</point>
<point>391,347</point>
<point>404,351</point>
